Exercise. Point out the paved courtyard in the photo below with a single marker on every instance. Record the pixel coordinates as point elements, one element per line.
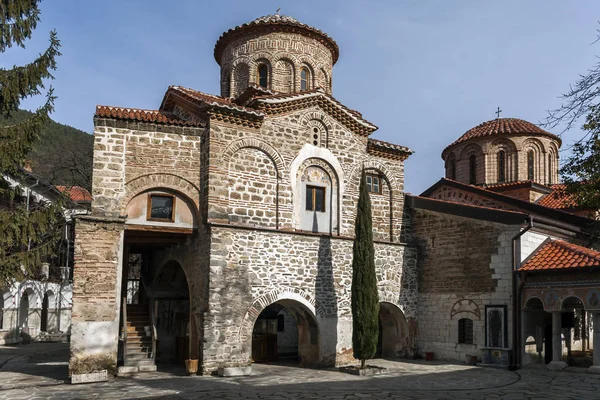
<point>39,371</point>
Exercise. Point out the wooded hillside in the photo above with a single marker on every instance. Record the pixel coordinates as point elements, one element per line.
<point>63,155</point>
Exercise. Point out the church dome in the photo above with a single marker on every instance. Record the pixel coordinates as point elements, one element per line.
<point>503,126</point>
<point>275,23</point>
<point>503,150</point>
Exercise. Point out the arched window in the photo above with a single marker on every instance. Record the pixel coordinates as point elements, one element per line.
<point>304,79</point>
<point>465,331</point>
<point>263,75</point>
<point>473,169</point>
<point>530,169</point>
<point>501,166</point>
<point>453,169</point>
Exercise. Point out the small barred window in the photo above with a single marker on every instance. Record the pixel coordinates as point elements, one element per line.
<point>465,331</point>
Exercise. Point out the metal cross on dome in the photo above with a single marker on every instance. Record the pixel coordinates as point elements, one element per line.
<point>497,112</point>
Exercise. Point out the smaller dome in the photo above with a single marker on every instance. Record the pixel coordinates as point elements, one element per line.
<point>503,126</point>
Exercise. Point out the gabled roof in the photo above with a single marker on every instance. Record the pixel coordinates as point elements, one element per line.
<point>558,198</point>
<point>289,102</point>
<point>467,210</point>
<point>517,204</point>
<point>558,254</point>
<point>388,150</point>
<point>275,23</point>
<point>140,115</point>
<point>499,187</point>
<point>502,126</point>
<point>206,100</point>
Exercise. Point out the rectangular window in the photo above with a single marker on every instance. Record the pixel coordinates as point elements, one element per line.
<point>465,331</point>
<point>315,198</point>
<point>373,183</point>
<point>161,207</point>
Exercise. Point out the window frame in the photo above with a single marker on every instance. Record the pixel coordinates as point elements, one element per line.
<point>258,76</point>
<point>465,331</point>
<point>530,165</point>
<point>370,186</point>
<point>306,79</point>
<point>149,207</point>
<point>452,169</point>
<point>314,189</point>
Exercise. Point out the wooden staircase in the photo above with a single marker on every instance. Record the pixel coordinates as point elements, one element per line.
<point>138,344</point>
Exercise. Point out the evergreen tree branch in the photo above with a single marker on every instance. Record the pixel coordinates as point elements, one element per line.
<point>18,19</point>
<point>22,82</point>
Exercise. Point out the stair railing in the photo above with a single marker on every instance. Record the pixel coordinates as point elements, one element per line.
<point>153,313</point>
<point>124,332</point>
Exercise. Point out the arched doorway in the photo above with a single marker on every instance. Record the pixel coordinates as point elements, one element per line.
<point>286,331</point>
<point>393,332</point>
<point>574,325</point>
<point>537,332</point>
<point>170,292</point>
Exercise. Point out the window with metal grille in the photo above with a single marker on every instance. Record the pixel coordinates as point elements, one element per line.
<point>530,171</point>
<point>263,75</point>
<point>501,166</point>
<point>465,331</point>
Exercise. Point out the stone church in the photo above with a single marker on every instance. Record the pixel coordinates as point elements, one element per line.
<point>222,227</point>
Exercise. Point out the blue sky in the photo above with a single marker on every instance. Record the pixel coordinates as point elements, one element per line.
<point>424,71</point>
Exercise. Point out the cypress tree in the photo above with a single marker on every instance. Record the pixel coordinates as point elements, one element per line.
<point>29,231</point>
<point>365,298</point>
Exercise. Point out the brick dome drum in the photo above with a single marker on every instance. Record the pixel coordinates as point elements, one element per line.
<point>503,150</point>
<point>276,52</point>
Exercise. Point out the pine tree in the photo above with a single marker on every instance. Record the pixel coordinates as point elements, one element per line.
<point>365,298</point>
<point>28,231</point>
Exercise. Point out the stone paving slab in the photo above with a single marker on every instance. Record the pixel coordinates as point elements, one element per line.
<point>41,375</point>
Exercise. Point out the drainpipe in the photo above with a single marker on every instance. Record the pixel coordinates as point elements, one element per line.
<point>516,294</point>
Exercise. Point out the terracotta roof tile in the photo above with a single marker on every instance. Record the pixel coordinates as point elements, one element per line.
<point>75,193</point>
<point>379,146</point>
<point>558,199</point>
<point>275,22</point>
<point>281,98</point>
<point>503,126</point>
<point>558,254</point>
<point>136,114</point>
<point>470,205</point>
<point>212,100</point>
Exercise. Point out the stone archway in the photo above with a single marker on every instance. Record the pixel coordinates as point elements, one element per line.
<point>306,312</point>
<point>286,329</point>
<point>393,332</point>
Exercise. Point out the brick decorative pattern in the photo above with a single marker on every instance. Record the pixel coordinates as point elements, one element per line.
<point>515,146</point>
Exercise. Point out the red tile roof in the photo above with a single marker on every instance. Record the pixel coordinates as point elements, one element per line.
<point>390,149</point>
<point>558,199</point>
<point>503,126</point>
<point>558,254</point>
<point>136,114</point>
<point>273,23</point>
<point>469,205</point>
<point>211,100</point>
<point>75,193</point>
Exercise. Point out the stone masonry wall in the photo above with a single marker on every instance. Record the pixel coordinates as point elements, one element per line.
<point>130,157</point>
<point>96,292</point>
<point>464,265</point>
<point>280,147</point>
<point>249,265</point>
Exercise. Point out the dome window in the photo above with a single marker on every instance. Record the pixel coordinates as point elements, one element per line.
<point>501,166</point>
<point>530,170</point>
<point>263,75</point>
<point>473,169</point>
<point>304,79</point>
